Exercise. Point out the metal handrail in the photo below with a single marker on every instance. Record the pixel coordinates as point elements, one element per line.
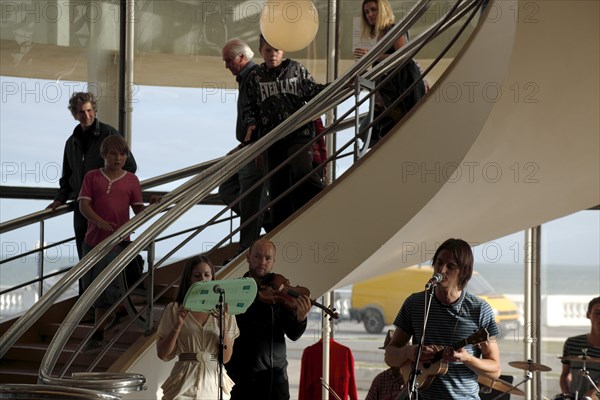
<point>39,391</point>
<point>180,201</point>
<point>43,215</point>
<point>65,208</point>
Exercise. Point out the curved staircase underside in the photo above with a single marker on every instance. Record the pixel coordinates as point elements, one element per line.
<point>516,115</point>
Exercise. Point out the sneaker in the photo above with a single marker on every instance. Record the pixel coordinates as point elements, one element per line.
<point>92,346</point>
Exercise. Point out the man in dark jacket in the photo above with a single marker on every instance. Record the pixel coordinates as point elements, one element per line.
<point>81,155</point>
<point>237,56</point>
<point>258,365</point>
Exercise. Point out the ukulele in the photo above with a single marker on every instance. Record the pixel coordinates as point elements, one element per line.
<point>438,366</point>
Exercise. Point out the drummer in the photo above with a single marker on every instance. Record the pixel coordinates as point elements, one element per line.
<point>571,380</point>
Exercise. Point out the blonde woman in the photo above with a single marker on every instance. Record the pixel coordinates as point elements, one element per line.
<point>377,19</point>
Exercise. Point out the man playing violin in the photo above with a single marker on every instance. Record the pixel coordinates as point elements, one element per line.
<point>259,363</point>
<point>454,315</point>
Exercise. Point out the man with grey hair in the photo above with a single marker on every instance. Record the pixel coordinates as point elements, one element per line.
<point>237,56</point>
<point>81,155</point>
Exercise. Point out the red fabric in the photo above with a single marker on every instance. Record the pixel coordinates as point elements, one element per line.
<point>319,150</point>
<point>341,372</point>
<point>319,147</point>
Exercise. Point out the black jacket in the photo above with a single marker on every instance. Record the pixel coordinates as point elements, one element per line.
<point>261,344</point>
<point>242,78</point>
<point>81,155</point>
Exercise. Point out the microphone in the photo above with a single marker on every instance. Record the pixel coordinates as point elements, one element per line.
<point>434,280</point>
<point>218,289</point>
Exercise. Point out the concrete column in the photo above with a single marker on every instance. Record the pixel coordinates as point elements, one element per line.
<point>102,22</point>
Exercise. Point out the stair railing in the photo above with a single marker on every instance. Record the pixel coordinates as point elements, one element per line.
<point>42,216</point>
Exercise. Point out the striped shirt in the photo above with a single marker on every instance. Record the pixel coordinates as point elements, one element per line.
<point>447,325</point>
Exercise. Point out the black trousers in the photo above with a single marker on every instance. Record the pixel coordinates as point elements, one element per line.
<point>80,224</point>
<point>247,208</point>
<point>271,384</point>
<point>300,166</point>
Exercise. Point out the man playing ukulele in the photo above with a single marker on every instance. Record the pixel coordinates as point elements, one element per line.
<point>447,369</point>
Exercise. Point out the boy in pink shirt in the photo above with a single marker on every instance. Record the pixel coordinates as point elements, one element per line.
<point>105,197</point>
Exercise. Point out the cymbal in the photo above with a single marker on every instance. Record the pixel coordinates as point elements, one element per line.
<point>500,385</point>
<point>529,366</point>
<point>581,358</point>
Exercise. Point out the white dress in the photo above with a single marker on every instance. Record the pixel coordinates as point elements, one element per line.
<point>195,380</point>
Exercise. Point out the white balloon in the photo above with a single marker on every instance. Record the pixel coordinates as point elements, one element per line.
<point>289,25</point>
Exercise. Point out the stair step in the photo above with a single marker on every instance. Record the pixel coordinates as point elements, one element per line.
<point>18,371</point>
<point>34,352</point>
<point>48,331</point>
<point>170,294</point>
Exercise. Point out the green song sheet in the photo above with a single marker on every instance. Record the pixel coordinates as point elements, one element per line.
<point>239,294</point>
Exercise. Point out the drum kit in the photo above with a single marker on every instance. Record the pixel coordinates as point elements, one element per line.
<point>489,384</point>
<point>584,359</point>
<point>504,387</point>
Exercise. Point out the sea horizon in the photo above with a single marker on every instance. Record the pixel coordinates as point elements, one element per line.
<point>506,278</point>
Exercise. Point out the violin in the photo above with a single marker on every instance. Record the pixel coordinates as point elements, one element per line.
<point>276,288</point>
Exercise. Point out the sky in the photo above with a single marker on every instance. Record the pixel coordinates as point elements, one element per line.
<point>174,128</point>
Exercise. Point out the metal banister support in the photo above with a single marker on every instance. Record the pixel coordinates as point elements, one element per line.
<point>113,382</point>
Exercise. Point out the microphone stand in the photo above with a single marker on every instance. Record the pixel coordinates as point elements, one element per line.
<point>413,389</point>
<point>221,349</point>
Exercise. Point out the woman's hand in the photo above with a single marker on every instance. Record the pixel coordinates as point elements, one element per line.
<point>359,52</point>
<point>215,313</point>
<point>182,313</point>
<point>165,346</point>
